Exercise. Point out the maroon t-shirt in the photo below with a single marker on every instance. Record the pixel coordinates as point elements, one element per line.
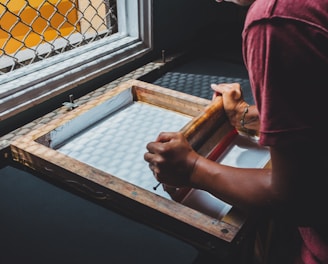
<point>286,53</point>
<point>285,48</point>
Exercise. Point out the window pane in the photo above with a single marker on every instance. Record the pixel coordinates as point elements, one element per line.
<point>83,50</point>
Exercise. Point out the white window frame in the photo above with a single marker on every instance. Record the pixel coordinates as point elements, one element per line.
<point>35,83</point>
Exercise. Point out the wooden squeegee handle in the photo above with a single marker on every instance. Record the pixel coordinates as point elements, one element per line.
<point>210,118</point>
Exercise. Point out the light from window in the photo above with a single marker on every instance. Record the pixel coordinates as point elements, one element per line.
<point>86,46</point>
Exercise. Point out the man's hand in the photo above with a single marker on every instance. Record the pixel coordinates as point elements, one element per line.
<point>233,101</point>
<point>171,158</point>
<point>241,115</point>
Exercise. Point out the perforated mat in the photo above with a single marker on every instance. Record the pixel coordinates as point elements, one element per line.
<point>199,85</point>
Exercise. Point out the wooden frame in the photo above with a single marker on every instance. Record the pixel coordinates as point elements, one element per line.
<point>207,129</point>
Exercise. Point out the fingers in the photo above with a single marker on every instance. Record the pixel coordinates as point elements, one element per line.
<point>232,89</point>
<point>153,168</point>
<point>151,159</point>
<point>164,153</point>
<point>167,136</point>
<point>156,148</point>
<point>159,146</point>
<point>215,94</point>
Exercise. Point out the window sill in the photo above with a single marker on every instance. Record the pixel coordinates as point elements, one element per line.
<point>38,82</point>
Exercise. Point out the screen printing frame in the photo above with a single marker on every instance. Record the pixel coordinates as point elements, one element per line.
<point>208,122</point>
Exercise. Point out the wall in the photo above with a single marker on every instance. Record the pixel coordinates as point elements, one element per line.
<point>186,22</point>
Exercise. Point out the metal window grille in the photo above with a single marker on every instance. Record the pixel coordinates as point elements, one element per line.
<point>32,30</point>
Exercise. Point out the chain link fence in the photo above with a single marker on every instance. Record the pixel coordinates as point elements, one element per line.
<point>32,30</point>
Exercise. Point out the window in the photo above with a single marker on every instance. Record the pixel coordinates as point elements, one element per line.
<point>94,48</point>
<point>36,29</point>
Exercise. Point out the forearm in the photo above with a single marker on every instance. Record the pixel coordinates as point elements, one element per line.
<point>245,188</point>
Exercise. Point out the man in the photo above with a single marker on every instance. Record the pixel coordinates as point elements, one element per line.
<point>285,49</point>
